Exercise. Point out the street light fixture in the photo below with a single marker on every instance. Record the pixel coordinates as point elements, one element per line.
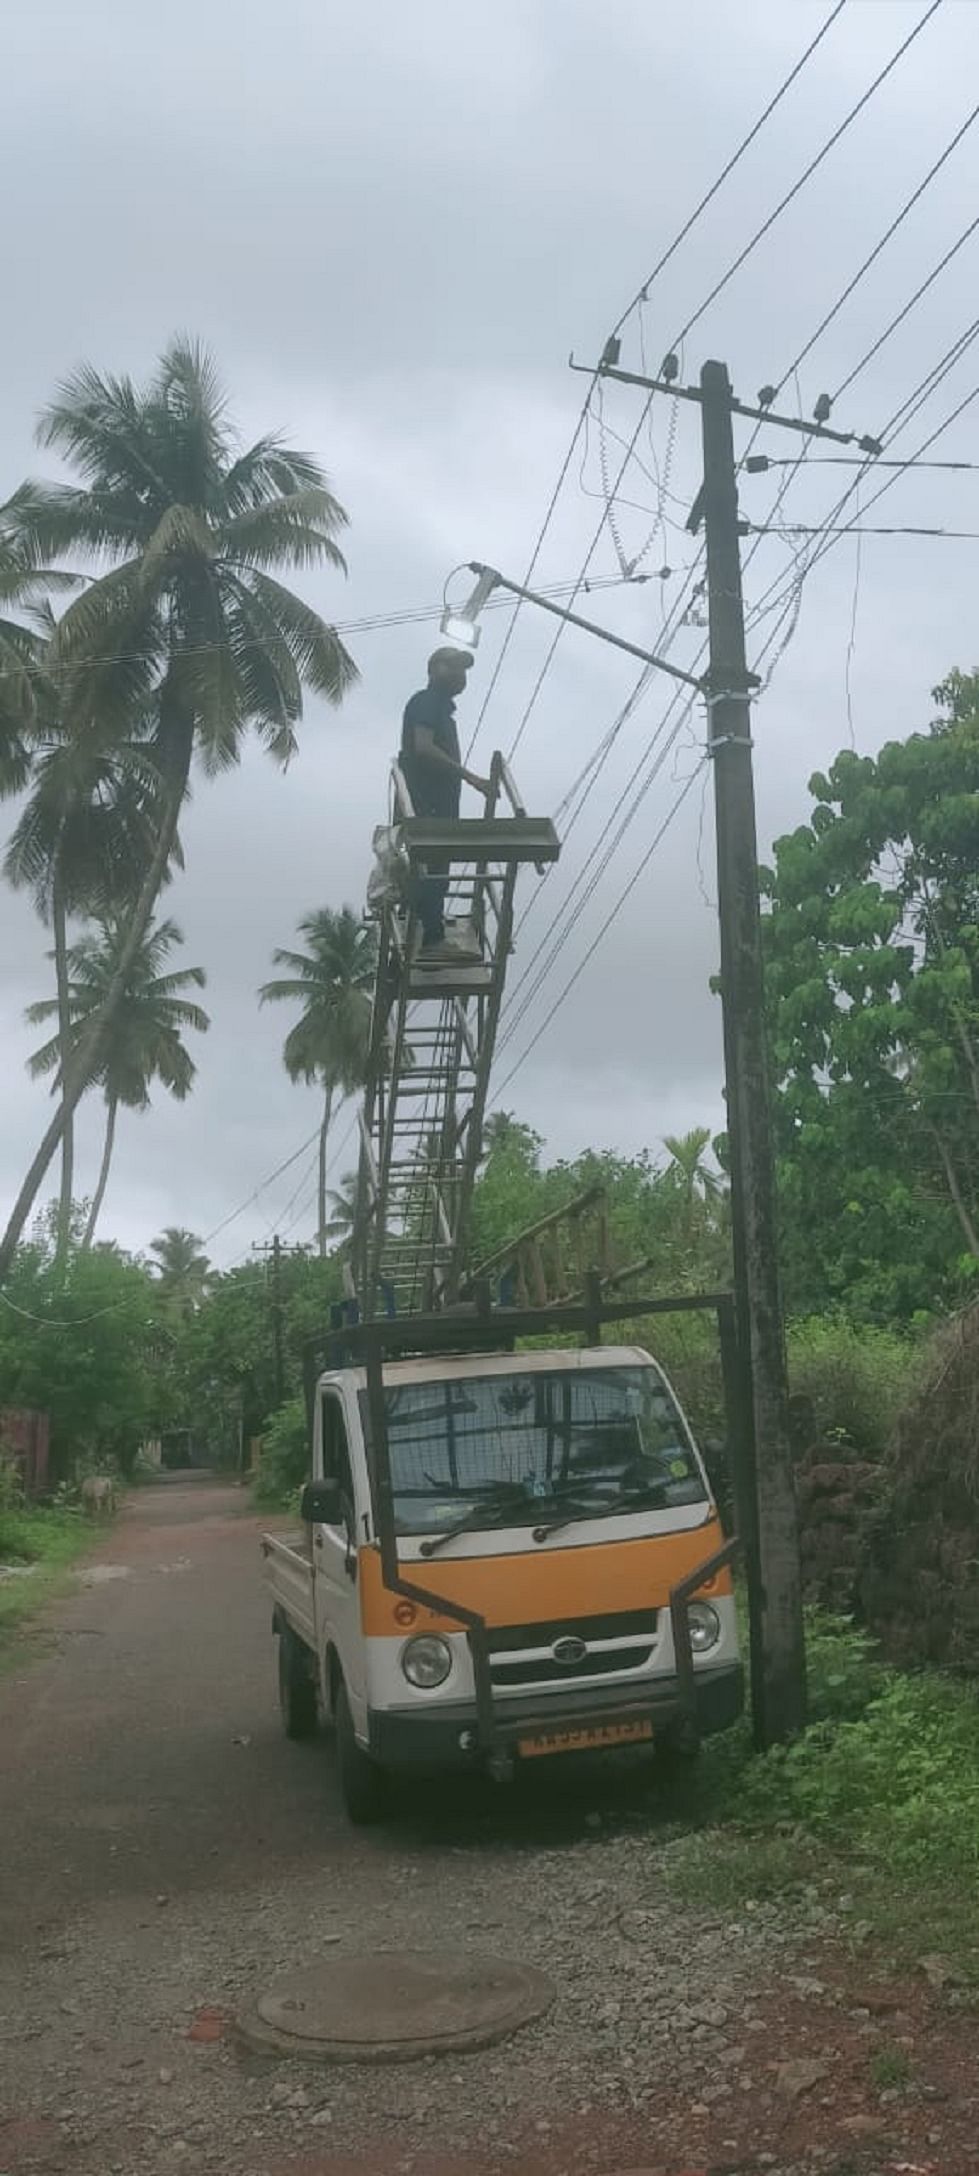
<point>462,626</point>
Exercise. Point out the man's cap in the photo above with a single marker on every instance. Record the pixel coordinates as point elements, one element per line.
<point>449,656</point>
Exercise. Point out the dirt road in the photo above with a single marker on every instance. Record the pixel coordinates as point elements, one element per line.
<point>166,1853</point>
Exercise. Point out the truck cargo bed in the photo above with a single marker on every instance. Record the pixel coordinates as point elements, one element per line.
<point>289,1578</point>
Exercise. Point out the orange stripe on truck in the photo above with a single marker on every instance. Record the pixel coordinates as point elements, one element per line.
<point>543,1585</point>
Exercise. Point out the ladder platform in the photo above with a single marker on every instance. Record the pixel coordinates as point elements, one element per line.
<point>449,978</point>
<point>497,839</point>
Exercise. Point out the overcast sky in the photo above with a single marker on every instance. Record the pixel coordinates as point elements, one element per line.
<point>392,225</point>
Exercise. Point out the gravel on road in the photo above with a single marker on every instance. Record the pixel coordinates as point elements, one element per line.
<point>167,1855</point>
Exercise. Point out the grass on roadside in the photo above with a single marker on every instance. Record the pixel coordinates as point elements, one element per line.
<point>39,1544</point>
<point>878,1801</point>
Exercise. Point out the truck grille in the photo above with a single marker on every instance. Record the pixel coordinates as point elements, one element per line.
<point>595,1647</point>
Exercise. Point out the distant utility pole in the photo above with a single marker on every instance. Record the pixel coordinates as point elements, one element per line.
<point>274,1253</point>
<point>769,1498</point>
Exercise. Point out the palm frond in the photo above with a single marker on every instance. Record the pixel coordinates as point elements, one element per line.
<point>316,648</point>
<point>181,534</point>
<point>293,530</point>
<point>270,469</point>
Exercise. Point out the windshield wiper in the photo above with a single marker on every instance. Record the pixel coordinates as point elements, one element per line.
<point>629,1499</point>
<point>502,1500</point>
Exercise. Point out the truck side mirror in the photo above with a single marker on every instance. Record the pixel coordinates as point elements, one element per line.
<point>320,1504</point>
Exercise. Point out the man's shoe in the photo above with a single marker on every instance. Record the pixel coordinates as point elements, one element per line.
<point>462,940</point>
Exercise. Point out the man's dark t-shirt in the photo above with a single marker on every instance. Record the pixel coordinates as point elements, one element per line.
<point>434,791</point>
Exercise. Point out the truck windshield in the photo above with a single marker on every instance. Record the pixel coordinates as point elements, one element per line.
<point>513,1450</point>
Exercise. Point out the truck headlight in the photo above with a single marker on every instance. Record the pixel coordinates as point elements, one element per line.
<point>426,1662</point>
<point>705,1627</point>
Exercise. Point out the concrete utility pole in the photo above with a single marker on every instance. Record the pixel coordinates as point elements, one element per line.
<point>766,1490</point>
<point>768,1509</point>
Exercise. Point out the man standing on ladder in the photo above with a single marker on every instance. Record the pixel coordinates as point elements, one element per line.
<point>434,774</point>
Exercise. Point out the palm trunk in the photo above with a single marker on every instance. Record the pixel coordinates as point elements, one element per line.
<point>60,926</point>
<point>324,1132</point>
<point>99,1195</point>
<point>89,1050</point>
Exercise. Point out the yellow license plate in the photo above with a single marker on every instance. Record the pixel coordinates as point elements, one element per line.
<point>590,1740</point>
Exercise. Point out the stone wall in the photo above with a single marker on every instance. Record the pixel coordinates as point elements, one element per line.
<point>838,1497</point>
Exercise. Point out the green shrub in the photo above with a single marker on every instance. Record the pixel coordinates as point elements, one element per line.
<point>883,1788</point>
<point>284,1462</point>
<point>857,1380</point>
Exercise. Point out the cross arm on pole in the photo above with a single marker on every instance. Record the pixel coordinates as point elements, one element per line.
<point>738,407</point>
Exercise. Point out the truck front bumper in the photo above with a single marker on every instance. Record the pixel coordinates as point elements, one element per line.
<point>445,1736</point>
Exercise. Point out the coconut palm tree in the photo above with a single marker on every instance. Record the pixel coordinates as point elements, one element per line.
<point>343,1212</point>
<point>184,528</point>
<point>81,843</point>
<point>24,583</point>
<point>687,1169</point>
<point>145,1044</point>
<point>332,981</point>
<point>181,1267</point>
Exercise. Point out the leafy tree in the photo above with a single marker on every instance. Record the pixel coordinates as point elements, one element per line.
<point>332,981</point>
<point>220,1370</point>
<point>190,527</point>
<point>649,1218</point>
<point>79,1341</point>
<point>145,1043</point>
<point>873,971</point>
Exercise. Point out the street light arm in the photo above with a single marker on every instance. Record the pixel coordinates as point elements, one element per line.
<point>588,627</point>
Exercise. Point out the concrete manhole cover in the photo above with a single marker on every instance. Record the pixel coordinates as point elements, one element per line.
<point>394,2007</point>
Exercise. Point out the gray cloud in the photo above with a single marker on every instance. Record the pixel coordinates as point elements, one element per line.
<point>392,225</point>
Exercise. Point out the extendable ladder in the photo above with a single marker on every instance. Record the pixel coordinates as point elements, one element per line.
<point>431,1050</point>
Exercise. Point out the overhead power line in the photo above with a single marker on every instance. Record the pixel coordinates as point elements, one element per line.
<point>234,1214</point>
<point>371,623</point>
<point>807,172</point>
<point>860,528</point>
<point>606,925</point>
<point>760,232</point>
<point>889,232</point>
<point>903,415</point>
<point>640,296</point>
<point>907,308</point>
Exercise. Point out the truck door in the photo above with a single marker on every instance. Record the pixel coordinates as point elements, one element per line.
<point>336,1598</point>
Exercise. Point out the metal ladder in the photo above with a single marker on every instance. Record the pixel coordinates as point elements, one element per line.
<point>433,1034</point>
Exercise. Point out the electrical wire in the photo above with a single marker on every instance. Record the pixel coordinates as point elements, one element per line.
<point>559,937</point>
<point>641,296</point>
<point>907,409</point>
<point>371,624</point>
<point>602,933</point>
<point>852,643</point>
<point>896,222</point>
<point>832,530</point>
<point>62,1322</point>
<point>589,775</point>
<point>765,228</point>
<point>858,528</point>
<point>905,311</point>
<point>826,535</point>
<point>234,1214</point>
<point>807,172</point>
<point>828,460</point>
